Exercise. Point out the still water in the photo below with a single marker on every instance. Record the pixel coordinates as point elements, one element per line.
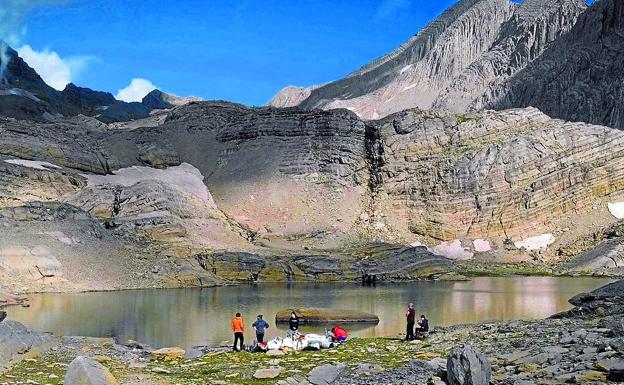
<point>188,317</point>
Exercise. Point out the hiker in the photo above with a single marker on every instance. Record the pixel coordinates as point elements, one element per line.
<point>260,325</point>
<point>423,327</point>
<point>238,328</point>
<point>410,315</point>
<point>340,335</point>
<point>293,322</point>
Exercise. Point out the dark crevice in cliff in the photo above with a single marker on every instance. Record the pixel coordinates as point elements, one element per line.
<point>374,151</point>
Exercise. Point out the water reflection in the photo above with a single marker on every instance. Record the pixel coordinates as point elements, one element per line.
<point>188,317</point>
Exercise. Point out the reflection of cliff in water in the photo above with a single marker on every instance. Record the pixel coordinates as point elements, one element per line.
<point>187,317</point>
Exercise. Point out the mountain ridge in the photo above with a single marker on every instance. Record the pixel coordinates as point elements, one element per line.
<point>517,49</point>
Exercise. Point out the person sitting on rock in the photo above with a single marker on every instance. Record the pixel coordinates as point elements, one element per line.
<point>238,328</point>
<point>260,325</point>
<point>423,327</point>
<point>410,316</point>
<point>293,322</point>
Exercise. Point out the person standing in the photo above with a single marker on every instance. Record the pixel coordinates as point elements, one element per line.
<point>238,328</point>
<point>260,325</point>
<point>410,315</point>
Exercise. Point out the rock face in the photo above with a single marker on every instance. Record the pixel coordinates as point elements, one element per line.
<point>200,184</point>
<point>466,366</point>
<point>16,340</point>
<point>85,371</point>
<point>493,54</point>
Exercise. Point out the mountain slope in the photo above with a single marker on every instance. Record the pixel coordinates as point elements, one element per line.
<point>559,56</point>
<point>580,77</point>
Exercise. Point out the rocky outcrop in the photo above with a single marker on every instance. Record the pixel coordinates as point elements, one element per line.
<point>17,340</point>
<point>480,175</point>
<point>466,366</point>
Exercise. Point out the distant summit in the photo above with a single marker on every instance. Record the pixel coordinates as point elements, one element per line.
<point>24,95</point>
<point>157,99</point>
<point>562,57</point>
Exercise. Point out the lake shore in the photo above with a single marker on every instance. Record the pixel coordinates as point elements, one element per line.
<point>583,345</point>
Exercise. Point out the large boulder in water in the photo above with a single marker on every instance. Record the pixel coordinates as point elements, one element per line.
<point>315,315</point>
<point>85,371</point>
<point>467,366</point>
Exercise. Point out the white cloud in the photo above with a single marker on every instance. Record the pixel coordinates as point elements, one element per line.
<point>53,69</point>
<point>136,90</point>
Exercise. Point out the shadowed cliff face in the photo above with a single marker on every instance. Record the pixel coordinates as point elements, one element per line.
<point>561,57</point>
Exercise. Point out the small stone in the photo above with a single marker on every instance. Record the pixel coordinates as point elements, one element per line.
<point>275,352</point>
<point>168,354</point>
<point>158,369</point>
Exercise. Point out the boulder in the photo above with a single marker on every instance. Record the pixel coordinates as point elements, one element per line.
<point>267,373</point>
<point>312,315</point>
<point>467,366</point>
<point>168,354</point>
<point>326,374</point>
<point>85,371</point>
<point>17,339</point>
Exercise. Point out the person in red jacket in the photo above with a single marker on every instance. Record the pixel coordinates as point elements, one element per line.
<point>238,328</point>
<point>340,335</point>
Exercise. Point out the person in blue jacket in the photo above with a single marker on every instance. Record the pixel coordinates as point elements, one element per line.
<point>260,325</point>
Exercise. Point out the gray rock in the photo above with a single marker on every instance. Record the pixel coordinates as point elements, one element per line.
<point>267,373</point>
<point>326,374</point>
<point>16,339</point>
<point>85,371</point>
<point>467,366</point>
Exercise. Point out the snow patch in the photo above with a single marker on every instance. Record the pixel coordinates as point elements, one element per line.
<point>185,177</point>
<point>36,164</point>
<point>406,68</point>
<point>481,245</point>
<point>617,209</point>
<point>409,87</point>
<point>535,243</point>
<point>452,250</point>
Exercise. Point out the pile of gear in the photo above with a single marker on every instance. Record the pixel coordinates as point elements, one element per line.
<point>297,341</point>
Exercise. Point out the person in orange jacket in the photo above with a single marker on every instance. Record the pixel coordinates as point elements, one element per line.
<point>238,328</point>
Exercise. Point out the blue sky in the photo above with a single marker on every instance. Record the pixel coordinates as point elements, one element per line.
<point>242,51</point>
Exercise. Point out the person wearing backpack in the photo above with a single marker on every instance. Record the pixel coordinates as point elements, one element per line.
<point>260,325</point>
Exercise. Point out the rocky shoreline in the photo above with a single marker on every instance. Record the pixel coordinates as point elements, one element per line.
<point>584,345</point>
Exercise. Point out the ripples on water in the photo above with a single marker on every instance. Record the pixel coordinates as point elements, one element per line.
<point>187,317</point>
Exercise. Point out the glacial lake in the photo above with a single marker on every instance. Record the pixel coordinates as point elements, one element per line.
<point>190,317</point>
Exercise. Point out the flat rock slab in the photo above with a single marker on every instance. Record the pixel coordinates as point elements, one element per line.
<point>85,371</point>
<point>314,315</point>
<point>326,374</point>
<point>267,373</point>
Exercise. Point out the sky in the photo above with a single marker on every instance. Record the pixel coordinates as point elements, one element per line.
<point>243,51</point>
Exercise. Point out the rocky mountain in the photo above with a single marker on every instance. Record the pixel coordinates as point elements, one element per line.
<point>26,96</point>
<point>559,56</point>
<point>157,99</point>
